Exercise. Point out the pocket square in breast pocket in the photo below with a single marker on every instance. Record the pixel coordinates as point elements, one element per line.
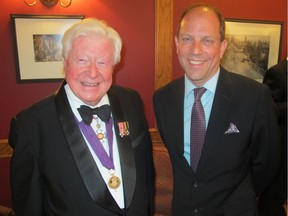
<point>232,129</point>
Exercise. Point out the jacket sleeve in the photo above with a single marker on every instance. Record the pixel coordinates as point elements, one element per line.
<point>25,179</point>
<point>265,142</point>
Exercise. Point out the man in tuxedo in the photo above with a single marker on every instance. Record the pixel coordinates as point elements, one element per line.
<point>232,151</point>
<point>271,202</point>
<point>70,159</point>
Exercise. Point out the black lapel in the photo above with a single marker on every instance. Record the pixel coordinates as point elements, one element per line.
<point>220,107</point>
<point>86,165</point>
<point>125,148</point>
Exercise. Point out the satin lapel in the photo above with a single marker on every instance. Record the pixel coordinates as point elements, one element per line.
<point>125,149</point>
<point>86,165</point>
<point>220,108</point>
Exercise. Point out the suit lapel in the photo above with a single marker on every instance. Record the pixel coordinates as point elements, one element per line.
<point>125,149</point>
<point>175,107</point>
<point>86,165</point>
<point>221,105</point>
<point>177,114</point>
<point>179,109</point>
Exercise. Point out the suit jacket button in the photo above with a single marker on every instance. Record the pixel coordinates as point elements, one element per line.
<point>196,210</point>
<point>196,184</point>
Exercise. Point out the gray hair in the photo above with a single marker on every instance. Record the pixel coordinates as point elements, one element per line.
<point>88,26</point>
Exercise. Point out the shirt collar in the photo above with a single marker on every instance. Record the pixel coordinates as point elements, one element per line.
<point>210,85</point>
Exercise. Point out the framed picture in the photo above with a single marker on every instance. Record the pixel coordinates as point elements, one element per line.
<point>37,45</point>
<point>253,47</point>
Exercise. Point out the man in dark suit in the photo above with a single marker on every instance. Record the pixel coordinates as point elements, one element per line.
<point>274,197</point>
<point>239,155</point>
<point>68,163</point>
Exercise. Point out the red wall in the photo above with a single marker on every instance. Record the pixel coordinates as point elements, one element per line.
<point>134,20</point>
<point>272,10</point>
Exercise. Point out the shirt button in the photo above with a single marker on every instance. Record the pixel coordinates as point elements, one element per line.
<point>196,210</point>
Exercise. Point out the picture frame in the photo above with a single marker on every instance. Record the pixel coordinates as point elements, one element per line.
<point>37,46</point>
<point>253,46</point>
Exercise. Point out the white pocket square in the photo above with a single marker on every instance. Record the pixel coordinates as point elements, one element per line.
<point>232,129</point>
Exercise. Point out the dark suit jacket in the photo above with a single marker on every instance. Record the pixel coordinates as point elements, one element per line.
<point>233,168</point>
<point>276,79</point>
<point>54,173</point>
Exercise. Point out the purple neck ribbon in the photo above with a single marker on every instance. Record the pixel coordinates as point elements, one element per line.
<point>96,145</point>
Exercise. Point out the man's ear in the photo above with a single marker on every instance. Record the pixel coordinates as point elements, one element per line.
<point>176,43</point>
<point>223,47</point>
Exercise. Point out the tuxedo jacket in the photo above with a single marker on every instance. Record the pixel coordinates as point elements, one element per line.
<point>234,167</point>
<point>54,173</point>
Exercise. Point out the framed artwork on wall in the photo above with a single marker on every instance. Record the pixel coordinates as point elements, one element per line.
<point>253,46</point>
<point>37,45</point>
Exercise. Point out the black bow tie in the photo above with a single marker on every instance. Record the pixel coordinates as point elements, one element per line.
<point>87,113</point>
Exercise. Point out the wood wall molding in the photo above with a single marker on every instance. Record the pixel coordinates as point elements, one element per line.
<point>6,150</point>
<point>163,42</point>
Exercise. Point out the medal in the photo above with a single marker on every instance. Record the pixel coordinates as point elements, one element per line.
<point>106,160</point>
<point>114,181</point>
<point>99,131</point>
<point>123,129</point>
<point>100,136</point>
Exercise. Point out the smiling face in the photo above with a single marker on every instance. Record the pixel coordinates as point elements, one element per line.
<point>89,67</point>
<point>198,45</point>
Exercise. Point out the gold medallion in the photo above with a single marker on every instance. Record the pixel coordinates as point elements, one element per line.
<point>100,136</point>
<point>114,182</point>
